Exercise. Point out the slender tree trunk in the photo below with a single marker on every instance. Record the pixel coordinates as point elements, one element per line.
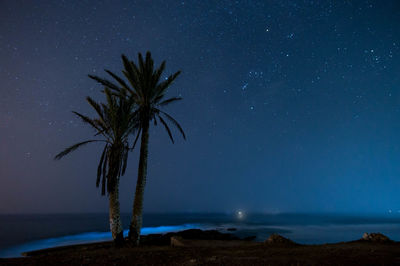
<point>137,213</point>
<point>115,218</point>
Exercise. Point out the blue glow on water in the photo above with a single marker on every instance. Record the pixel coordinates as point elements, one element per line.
<point>83,238</point>
<point>301,228</point>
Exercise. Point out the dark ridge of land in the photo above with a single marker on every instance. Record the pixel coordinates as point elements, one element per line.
<point>229,251</point>
<point>241,253</point>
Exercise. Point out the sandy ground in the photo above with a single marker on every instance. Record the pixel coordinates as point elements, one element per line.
<point>217,252</point>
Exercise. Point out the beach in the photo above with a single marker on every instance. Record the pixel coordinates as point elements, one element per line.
<point>24,233</point>
<point>217,252</point>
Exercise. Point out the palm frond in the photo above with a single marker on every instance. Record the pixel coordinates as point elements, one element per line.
<point>149,62</point>
<point>136,139</point>
<point>141,62</point>
<point>170,118</point>
<point>103,183</point>
<point>105,82</point>
<point>131,72</point>
<point>96,106</point>
<point>125,161</point>
<point>157,74</point>
<point>119,80</point>
<point>99,168</point>
<point>87,120</point>
<point>165,84</point>
<point>167,128</point>
<point>158,98</point>
<point>100,123</point>
<point>170,100</point>
<point>72,148</point>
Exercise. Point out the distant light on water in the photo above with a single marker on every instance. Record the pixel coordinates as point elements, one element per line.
<point>240,214</point>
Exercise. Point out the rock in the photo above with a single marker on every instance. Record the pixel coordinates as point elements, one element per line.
<point>375,237</point>
<point>165,239</point>
<point>231,229</point>
<point>177,241</point>
<point>278,239</point>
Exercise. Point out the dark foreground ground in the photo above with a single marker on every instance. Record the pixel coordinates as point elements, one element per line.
<point>217,252</point>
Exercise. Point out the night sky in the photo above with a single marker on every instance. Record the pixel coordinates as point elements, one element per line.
<point>289,106</point>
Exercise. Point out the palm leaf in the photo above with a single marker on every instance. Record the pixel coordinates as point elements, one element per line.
<point>100,166</point>
<point>141,62</point>
<point>96,107</point>
<point>106,83</point>
<point>103,183</point>
<point>165,84</point>
<point>72,148</point>
<point>170,118</point>
<point>158,98</point>
<point>167,128</point>
<point>149,62</point>
<point>158,73</point>
<point>170,100</point>
<point>136,139</point>
<point>125,164</point>
<point>87,120</point>
<point>119,80</point>
<point>129,71</point>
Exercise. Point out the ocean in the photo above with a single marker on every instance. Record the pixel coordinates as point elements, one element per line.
<point>20,233</point>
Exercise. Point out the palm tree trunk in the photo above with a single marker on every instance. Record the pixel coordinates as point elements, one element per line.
<point>137,213</point>
<point>115,218</point>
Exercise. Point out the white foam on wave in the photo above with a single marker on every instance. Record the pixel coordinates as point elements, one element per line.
<point>83,238</point>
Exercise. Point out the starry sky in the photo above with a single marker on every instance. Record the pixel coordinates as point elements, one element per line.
<point>289,106</point>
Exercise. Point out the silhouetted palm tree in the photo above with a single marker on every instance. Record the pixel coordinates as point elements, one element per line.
<point>114,124</point>
<point>147,89</point>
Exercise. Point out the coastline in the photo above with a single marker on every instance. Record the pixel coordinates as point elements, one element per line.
<point>104,253</point>
<point>223,249</point>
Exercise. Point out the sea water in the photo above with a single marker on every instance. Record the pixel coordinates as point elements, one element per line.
<point>21,233</point>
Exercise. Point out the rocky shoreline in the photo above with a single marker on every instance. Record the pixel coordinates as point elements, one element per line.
<point>197,247</point>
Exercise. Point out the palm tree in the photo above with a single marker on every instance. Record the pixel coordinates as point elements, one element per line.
<point>114,124</point>
<point>147,90</point>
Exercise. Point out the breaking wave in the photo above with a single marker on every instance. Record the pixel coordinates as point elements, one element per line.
<point>84,238</point>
